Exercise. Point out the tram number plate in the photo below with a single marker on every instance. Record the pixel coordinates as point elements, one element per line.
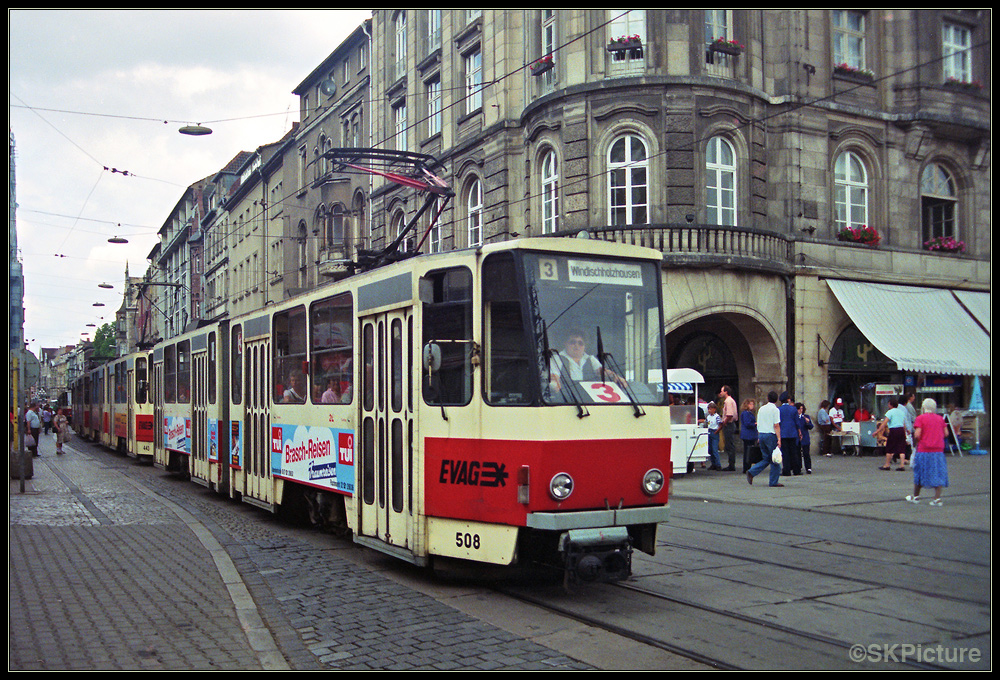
<point>479,541</point>
<point>467,540</point>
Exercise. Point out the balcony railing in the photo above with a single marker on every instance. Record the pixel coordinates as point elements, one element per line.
<point>707,245</point>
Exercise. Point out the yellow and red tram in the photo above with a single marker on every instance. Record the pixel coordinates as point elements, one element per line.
<point>499,405</point>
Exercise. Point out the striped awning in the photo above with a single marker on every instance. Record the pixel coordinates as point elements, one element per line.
<point>924,330</point>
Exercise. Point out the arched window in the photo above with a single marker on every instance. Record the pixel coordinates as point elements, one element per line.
<point>550,193</point>
<point>398,224</point>
<point>474,213</point>
<point>335,227</point>
<point>938,203</point>
<point>400,44</point>
<point>850,191</point>
<point>720,182</point>
<point>303,255</point>
<point>628,181</point>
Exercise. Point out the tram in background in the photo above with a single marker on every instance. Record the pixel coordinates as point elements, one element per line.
<point>112,406</point>
<point>190,406</point>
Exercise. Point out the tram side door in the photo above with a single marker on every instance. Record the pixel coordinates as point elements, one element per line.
<point>199,420</point>
<point>256,454</point>
<point>385,476</point>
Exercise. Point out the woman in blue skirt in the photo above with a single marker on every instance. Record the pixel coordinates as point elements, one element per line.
<point>929,465</point>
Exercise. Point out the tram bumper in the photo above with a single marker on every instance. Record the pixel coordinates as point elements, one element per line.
<point>597,545</point>
<point>597,554</point>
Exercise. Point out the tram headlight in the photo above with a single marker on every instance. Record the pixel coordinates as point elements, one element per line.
<point>652,482</point>
<point>561,486</point>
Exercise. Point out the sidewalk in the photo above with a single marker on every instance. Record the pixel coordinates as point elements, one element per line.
<point>853,485</point>
<point>107,572</point>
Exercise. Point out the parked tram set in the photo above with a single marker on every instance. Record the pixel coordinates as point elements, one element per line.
<point>495,406</point>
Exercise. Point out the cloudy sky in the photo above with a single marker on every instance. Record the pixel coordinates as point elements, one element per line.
<point>95,99</point>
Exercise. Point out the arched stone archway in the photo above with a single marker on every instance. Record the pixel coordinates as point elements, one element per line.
<point>729,348</point>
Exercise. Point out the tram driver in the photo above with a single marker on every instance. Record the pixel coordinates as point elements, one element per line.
<point>575,364</point>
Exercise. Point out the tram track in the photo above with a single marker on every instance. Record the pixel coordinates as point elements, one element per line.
<point>820,653</point>
<point>714,637</point>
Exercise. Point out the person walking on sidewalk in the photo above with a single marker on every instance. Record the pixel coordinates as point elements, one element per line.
<point>929,465</point>
<point>61,424</point>
<point>729,418</point>
<point>748,432</point>
<point>34,424</point>
<point>896,441</point>
<point>790,434</point>
<point>768,433</point>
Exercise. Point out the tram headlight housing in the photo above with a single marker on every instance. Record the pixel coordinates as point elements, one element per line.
<point>652,482</point>
<point>561,486</point>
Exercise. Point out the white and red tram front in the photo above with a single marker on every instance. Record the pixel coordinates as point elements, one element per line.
<point>524,457</point>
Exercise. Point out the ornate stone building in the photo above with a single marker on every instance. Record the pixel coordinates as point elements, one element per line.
<point>745,145</point>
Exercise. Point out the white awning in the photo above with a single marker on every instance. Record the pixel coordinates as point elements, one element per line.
<point>924,330</point>
<point>978,305</point>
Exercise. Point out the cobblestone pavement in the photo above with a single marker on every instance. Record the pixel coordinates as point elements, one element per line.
<point>114,570</point>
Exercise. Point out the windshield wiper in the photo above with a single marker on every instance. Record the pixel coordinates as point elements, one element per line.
<point>603,357</point>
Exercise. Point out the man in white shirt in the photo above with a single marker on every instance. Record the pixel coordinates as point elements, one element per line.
<point>34,423</point>
<point>769,434</point>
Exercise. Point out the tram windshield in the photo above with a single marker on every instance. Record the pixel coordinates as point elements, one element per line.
<point>581,330</point>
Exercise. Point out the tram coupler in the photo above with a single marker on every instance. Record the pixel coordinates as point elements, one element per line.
<point>597,555</point>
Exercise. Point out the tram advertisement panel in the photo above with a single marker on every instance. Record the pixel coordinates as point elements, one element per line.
<point>176,433</point>
<point>213,440</point>
<point>318,456</point>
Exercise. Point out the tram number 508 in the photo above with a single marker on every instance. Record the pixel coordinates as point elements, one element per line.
<point>466,540</point>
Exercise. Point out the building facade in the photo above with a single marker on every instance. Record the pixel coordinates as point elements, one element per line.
<point>787,163</point>
<point>744,144</point>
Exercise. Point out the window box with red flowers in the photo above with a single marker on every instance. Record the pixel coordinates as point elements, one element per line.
<point>971,86</point>
<point>544,64</point>
<point>944,244</point>
<point>724,46</point>
<point>863,235</point>
<point>857,75</point>
<point>625,43</point>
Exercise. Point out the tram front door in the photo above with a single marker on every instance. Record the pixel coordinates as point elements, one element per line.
<point>386,455</point>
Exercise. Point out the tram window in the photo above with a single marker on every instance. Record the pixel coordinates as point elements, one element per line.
<point>212,367</point>
<point>236,364</point>
<point>121,383</point>
<point>368,357</point>
<point>290,359</point>
<point>141,380</point>
<point>447,336</point>
<point>508,375</point>
<point>331,350</point>
<point>396,366</point>
<point>184,372</point>
<point>170,374</point>
<point>602,320</point>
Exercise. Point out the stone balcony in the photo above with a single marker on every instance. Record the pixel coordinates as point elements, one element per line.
<point>699,245</point>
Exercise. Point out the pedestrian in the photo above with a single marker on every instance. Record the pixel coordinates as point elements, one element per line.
<point>789,418</point>
<point>61,425</point>
<point>895,444</point>
<point>837,422</point>
<point>911,417</point>
<point>930,467</point>
<point>805,424</point>
<point>748,432</point>
<point>825,428</point>
<point>714,422</point>
<point>34,424</point>
<point>768,433</point>
<point>46,418</point>
<point>729,418</point>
